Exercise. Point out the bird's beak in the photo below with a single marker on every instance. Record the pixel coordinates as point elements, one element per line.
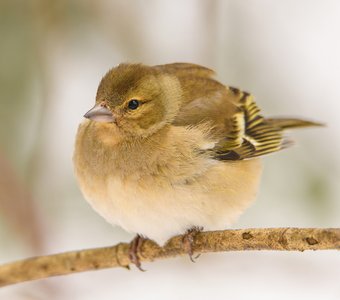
<point>100,113</point>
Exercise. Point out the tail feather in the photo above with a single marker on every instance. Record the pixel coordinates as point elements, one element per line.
<point>288,123</point>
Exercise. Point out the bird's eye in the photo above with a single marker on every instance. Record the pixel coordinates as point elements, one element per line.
<point>133,104</point>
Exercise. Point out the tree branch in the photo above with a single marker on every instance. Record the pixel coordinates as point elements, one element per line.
<point>283,239</point>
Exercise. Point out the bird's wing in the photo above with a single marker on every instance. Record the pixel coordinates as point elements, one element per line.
<point>186,69</point>
<point>197,82</point>
<point>251,135</point>
<point>234,117</point>
<point>204,99</point>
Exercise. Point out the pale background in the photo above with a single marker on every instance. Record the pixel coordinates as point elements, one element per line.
<point>52,56</point>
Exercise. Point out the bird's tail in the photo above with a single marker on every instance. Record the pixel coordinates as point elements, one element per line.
<point>288,123</point>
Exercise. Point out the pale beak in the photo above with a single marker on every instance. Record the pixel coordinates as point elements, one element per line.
<point>100,113</point>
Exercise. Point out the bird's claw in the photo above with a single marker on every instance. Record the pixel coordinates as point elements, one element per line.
<point>134,249</point>
<point>188,240</point>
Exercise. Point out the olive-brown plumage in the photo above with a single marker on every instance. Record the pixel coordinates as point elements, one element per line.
<point>168,147</point>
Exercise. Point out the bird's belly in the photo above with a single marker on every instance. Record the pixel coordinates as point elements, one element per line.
<point>161,211</point>
<point>157,215</point>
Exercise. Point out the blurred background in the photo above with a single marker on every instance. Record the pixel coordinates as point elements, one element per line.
<point>52,57</point>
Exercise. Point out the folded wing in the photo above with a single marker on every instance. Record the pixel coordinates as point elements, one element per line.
<point>234,117</point>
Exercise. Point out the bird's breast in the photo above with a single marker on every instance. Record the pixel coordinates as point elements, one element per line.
<point>163,189</point>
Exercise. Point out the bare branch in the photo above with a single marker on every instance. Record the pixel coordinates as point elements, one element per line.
<point>282,239</point>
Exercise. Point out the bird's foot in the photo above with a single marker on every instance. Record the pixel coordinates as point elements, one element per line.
<point>134,250</point>
<point>188,240</point>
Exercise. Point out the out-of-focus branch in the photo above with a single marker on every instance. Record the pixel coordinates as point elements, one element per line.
<point>19,208</point>
<point>283,239</point>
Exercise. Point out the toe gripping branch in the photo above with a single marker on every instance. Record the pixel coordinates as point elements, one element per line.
<point>135,250</point>
<point>188,241</point>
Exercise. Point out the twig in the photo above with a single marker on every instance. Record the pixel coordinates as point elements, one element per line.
<point>283,239</point>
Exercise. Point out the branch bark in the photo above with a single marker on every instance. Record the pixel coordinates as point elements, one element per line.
<point>282,239</point>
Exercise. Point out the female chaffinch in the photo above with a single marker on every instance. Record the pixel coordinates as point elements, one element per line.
<point>168,148</point>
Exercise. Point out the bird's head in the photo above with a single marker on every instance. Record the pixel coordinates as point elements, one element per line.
<point>137,99</point>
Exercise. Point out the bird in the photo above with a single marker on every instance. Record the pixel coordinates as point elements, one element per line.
<point>168,150</point>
